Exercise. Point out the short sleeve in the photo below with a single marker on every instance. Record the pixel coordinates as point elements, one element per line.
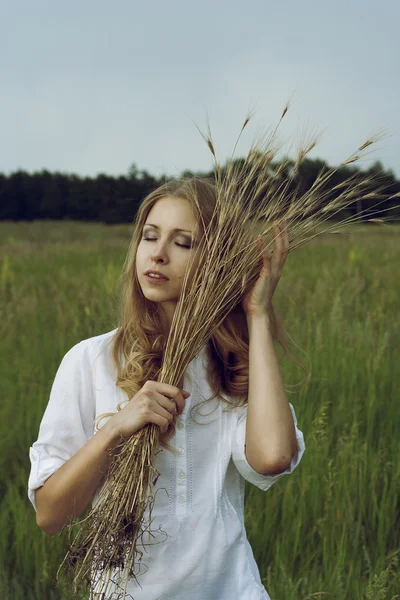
<point>264,482</point>
<point>68,421</point>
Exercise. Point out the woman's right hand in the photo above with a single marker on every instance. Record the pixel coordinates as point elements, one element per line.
<point>155,402</point>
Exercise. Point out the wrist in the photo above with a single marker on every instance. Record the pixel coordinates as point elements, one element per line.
<point>262,319</point>
<point>112,432</point>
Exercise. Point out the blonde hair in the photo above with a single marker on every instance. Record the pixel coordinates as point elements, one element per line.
<point>138,346</point>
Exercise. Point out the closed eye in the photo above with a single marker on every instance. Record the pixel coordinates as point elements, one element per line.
<point>154,239</point>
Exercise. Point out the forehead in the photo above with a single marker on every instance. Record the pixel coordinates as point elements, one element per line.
<point>172,213</point>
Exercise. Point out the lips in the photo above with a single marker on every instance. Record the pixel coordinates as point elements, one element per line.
<point>160,275</point>
<point>155,280</point>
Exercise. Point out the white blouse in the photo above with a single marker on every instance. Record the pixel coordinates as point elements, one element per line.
<point>198,549</point>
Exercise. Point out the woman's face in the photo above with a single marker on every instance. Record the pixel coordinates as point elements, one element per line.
<point>166,249</point>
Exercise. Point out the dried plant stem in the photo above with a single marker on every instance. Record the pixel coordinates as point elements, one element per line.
<point>251,200</point>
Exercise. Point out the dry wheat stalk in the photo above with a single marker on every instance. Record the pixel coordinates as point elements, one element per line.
<point>251,200</point>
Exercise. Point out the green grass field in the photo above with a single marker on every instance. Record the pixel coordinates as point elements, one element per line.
<point>331,529</point>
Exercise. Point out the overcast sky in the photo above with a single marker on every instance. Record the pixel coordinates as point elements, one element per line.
<point>91,87</point>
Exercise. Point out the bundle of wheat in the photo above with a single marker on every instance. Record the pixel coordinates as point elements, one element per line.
<point>253,197</point>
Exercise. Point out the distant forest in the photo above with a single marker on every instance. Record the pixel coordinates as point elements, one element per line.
<point>111,200</point>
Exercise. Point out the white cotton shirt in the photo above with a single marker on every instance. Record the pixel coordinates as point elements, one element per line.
<point>199,495</point>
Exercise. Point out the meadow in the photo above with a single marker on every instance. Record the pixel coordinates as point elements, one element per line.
<point>328,531</point>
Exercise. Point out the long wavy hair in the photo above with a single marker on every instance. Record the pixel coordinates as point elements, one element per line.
<point>138,346</point>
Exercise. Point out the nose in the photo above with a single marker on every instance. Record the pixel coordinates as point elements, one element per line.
<point>159,254</point>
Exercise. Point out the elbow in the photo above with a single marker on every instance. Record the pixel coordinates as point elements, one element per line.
<point>40,521</point>
<point>46,527</point>
<point>53,525</point>
<point>277,465</point>
<point>273,465</point>
<point>43,521</point>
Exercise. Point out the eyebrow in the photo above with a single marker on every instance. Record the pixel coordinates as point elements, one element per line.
<point>157,227</point>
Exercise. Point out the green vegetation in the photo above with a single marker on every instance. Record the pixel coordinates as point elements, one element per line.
<point>329,530</point>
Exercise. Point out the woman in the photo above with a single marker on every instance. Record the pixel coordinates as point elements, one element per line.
<point>197,547</point>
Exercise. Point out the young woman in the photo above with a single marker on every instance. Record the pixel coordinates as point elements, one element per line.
<point>198,549</point>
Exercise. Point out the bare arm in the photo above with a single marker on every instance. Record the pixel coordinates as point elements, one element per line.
<point>270,432</point>
<point>71,488</point>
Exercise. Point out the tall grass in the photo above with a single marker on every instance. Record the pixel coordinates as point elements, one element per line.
<point>329,530</point>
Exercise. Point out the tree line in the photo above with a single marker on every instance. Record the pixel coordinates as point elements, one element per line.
<point>111,200</point>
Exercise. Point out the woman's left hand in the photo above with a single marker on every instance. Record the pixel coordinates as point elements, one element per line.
<point>259,300</point>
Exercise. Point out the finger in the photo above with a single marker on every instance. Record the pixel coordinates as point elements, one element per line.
<point>263,247</point>
<point>160,421</point>
<point>285,234</point>
<point>281,244</point>
<point>180,403</point>
<point>171,392</point>
<point>160,410</point>
<point>168,403</point>
<point>166,389</point>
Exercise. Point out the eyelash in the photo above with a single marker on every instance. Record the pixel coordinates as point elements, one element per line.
<point>153,239</point>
